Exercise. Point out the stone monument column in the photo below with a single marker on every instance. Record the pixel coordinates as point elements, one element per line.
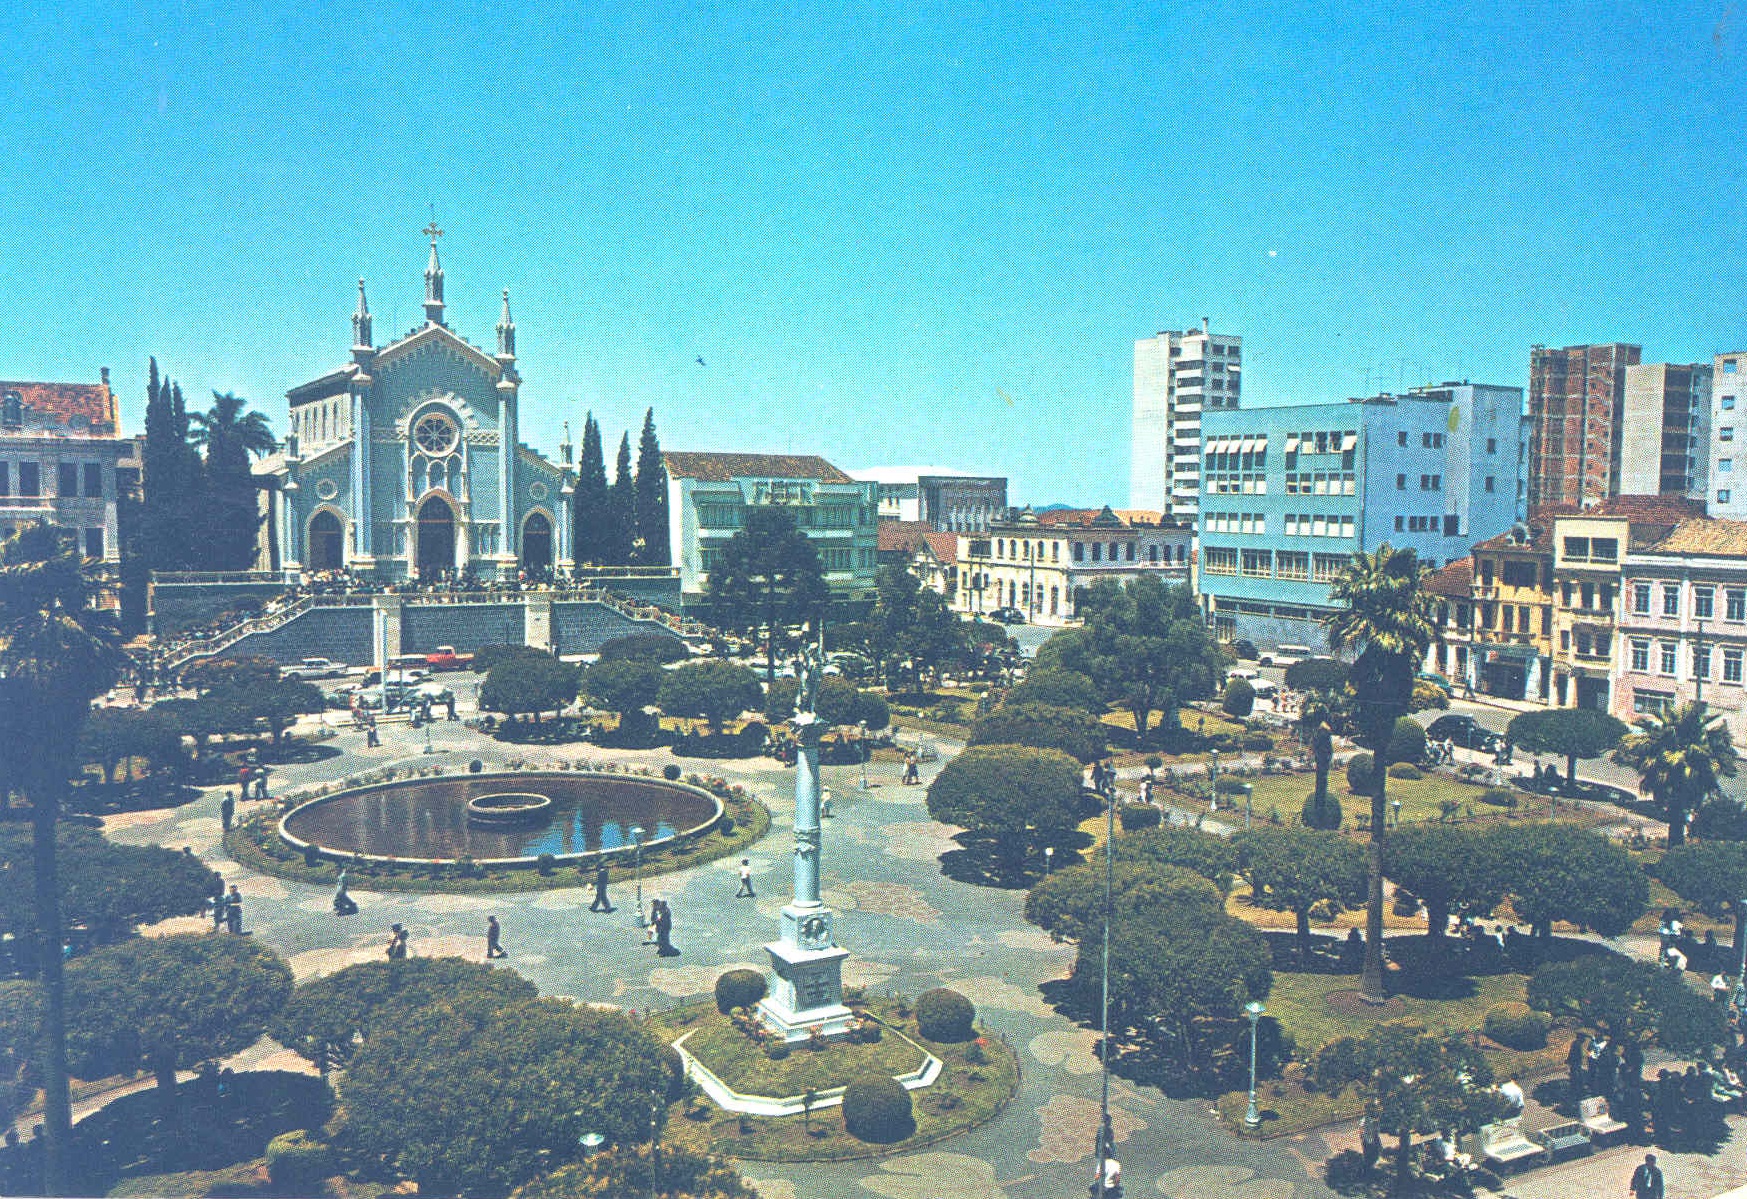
<point>806,992</point>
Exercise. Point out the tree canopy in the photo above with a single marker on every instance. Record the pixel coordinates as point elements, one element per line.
<point>1074,731</point>
<point>1295,869</point>
<point>645,647</point>
<point>768,578</point>
<point>108,887</point>
<point>1711,874</point>
<point>230,510</point>
<point>1447,866</point>
<point>676,1173</point>
<point>1058,688</point>
<point>1008,793</point>
<point>1572,733</point>
<point>623,685</point>
<point>528,685</point>
<point>651,501</point>
<point>1559,872</point>
<point>473,1096</point>
<point>1682,756</point>
<point>115,737</point>
<point>223,674</point>
<point>714,691</point>
<point>1318,674</point>
<point>1629,999</point>
<point>588,503</point>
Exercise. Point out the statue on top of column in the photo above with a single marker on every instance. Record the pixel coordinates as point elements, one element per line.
<point>809,669</point>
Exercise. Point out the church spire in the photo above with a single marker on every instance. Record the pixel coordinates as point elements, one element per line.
<point>361,339</point>
<point>433,277</point>
<point>506,332</point>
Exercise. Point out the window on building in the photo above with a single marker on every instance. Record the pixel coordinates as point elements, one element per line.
<point>1401,482</point>
<point>1731,665</point>
<point>1079,551</point>
<point>1152,552</point>
<point>1640,599</point>
<point>94,543</point>
<point>1725,466</point>
<point>1564,638</point>
<point>1704,603</point>
<point>1097,551</point>
<point>66,478</point>
<point>1728,403</point>
<point>1701,661</point>
<point>1492,445</point>
<point>5,478</point>
<point>94,480</point>
<point>1584,647</point>
<point>29,479</point>
<point>1131,551</point>
<point>1722,495</point>
<point>1671,599</point>
<point>1326,568</point>
<point>1400,523</point>
<point>1220,560</point>
<point>1401,437</point>
<point>1604,549</point>
<point>1547,621</point>
<point>1258,563</point>
<point>1292,565</point>
<point>1670,655</point>
<point>1641,656</point>
<point>1650,703</point>
<point>1491,483</point>
<point>1735,604</point>
<point>1726,433</point>
<point>1586,593</point>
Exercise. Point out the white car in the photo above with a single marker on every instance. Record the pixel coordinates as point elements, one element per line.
<point>315,668</point>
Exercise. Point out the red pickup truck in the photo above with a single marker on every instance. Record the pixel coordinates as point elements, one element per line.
<point>445,658</point>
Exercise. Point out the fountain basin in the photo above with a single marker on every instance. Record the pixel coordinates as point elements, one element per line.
<point>508,808</point>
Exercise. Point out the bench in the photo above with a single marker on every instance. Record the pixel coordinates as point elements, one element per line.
<point>1502,1144</point>
<point>1593,1114</point>
<point>1564,1140</point>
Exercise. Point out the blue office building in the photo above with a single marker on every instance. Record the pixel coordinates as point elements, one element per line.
<point>1289,494</point>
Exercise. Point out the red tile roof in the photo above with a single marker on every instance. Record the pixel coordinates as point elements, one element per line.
<point>723,468</point>
<point>901,536</point>
<point>1540,538</point>
<point>94,402</point>
<point>1651,508</point>
<point>1723,538</point>
<point>944,545</point>
<point>1455,579</point>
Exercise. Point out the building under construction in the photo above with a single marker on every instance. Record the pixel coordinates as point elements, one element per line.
<point>1577,399</point>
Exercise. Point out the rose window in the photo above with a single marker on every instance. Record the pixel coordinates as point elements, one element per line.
<point>435,434</point>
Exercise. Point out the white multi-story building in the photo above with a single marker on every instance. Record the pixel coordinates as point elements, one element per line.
<point>1724,497</point>
<point>1665,434</point>
<point>952,501</point>
<point>1177,376</point>
<point>63,460</point>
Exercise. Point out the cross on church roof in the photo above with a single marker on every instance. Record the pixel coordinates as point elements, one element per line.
<point>431,231</point>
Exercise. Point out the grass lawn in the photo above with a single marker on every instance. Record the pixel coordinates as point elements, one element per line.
<point>731,1056</point>
<point>1420,799</point>
<point>966,1094</point>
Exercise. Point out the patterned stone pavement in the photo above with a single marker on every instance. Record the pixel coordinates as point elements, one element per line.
<point>908,926</point>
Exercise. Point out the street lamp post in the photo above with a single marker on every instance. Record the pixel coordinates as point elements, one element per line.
<point>1104,1043</point>
<point>429,748</point>
<point>1249,797</point>
<point>1213,779</point>
<point>637,857</point>
<point>1048,859</point>
<point>864,755</point>
<point>1253,1117</point>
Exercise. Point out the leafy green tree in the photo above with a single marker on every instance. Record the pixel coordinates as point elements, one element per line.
<point>1294,870</point>
<point>1412,1082</point>
<point>1068,904</point>
<point>936,636</point>
<point>624,685</point>
<point>1572,733</point>
<point>530,684</point>
<point>115,738</point>
<point>1145,644</point>
<point>1240,699</point>
<point>1058,689</point>
<point>1407,743</point>
<point>58,652</point>
<point>232,517</point>
<point>1009,793</point>
<point>715,691</point>
<point>1682,756</point>
<point>1074,731</point>
<point>172,480</point>
<point>108,887</point>
<point>622,508</point>
<point>1318,674</point>
<point>1558,872</point>
<point>651,515</point>
<point>1720,818</point>
<point>1211,856</point>
<point>218,714</point>
<point>328,1017</point>
<point>1387,616</point>
<point>588,503</point>
<point>1711,874</point>
<point>170,1003</point>
<point>224,674</point>
<point>896,593</point>
<point>678,1173</point>
<point>280,704</point>
<point>1447,866</point>
<point>644,647</point>
<point>469,1097</point>
<point>768,578</point>
<point>1629,999</point>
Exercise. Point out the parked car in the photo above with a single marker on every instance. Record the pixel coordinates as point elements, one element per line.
<point>1461,729</point>
<point>444,657</point>
<point>1286,655</point>
<point>1436,680</point>
<point>1008,616</point>
<point>315,668</point>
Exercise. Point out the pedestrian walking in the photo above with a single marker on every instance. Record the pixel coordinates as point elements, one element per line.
<point>745,891</point>
<point>260,782</point>
<point>397,946</point>
<point>233,911</point>
<point>494,940</point>
<point>1577,1065</point>
<point>912,769</point>
<point>216,897</point>
<point>344,904</point>
<point>601,903</point>
<point>227,810</point>
<point>663,915</point>
<point>1647,1179</point>
<point>372,738</point>
<point>450,701</point>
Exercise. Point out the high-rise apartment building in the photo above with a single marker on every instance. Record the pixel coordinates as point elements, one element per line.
<point>1577,400</point>
<point>1665,436</point>
<point>1177,376</point>
<point>1723,498</point>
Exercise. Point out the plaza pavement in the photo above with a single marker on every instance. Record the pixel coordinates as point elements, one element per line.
<point>908,927</point>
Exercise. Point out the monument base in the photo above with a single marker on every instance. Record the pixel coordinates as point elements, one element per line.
<point>806,992</point>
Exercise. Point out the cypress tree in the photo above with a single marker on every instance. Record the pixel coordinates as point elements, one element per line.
<point>651,497</point>
<point>588,506</point>
<point>165,538</point>
<point>622,507</point>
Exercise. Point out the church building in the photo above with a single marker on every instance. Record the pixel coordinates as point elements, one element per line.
<point>406,462</point>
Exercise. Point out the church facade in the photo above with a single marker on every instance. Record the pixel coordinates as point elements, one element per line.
<point>406,462</point>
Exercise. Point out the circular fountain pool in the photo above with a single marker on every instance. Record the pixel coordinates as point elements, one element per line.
<point>427,819</point>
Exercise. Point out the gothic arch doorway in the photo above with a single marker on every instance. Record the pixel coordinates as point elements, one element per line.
<point>436,541</point>
<point>327,542</point>
<point>537,545</point>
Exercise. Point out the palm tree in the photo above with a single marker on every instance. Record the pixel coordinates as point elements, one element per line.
<point>1388,618</point>
<point>57,653</point>
<point>229,437</point>
<point>1681,755</point>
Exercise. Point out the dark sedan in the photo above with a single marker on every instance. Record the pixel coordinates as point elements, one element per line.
<point>1463,730</point>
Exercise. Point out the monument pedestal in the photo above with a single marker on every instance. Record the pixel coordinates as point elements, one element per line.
<point>806,992</point>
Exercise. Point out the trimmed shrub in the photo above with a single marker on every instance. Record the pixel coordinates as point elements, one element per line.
<point>1406,770</point>
<point>1517,1026</point>
<point>1427,696</point>
<point>1318,674</point>
<point>475,766</point>
<point>544,864</point>
<point>298,1162</point>
<point>1361,774</point>
<point>752,737</point>
<point>944,1015</point>
<point>1325,814</point>
<point>738,988</point>
<point>877,1109</point>
<point>1257,743</point>
<point>1408,742</point>
<point>671,773</point>
<point>1239,699</point>
<point>643,647</point>
<point>1228,784</point>
<point>777,1051</point>
<point>1140,815</point>
<point>1499,797</point>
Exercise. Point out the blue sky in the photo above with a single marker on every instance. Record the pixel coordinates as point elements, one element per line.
<point>893,235</point>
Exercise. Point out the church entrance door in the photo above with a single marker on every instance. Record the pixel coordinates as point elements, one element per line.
<point>436,545</point>
<point>326,542</point>
<point>536,545</point>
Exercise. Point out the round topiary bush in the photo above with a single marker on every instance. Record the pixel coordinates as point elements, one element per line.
<point>545,864</point>
<point>738,988</point>
<point>298,1163</point>
<point>1499,797</point>
<point>475,766</point>
<point>1408,742</point>
<point>1406,770</point>
<point>1361,774</point>
<point>1140,815</point>
<point>1517,1026</point>
<point>1239,699</point>
<point>670,772</point>
<point>944,1015</point>
<point>877,1109</point>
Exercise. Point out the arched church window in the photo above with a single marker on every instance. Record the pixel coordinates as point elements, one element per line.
<point>435,433</point>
